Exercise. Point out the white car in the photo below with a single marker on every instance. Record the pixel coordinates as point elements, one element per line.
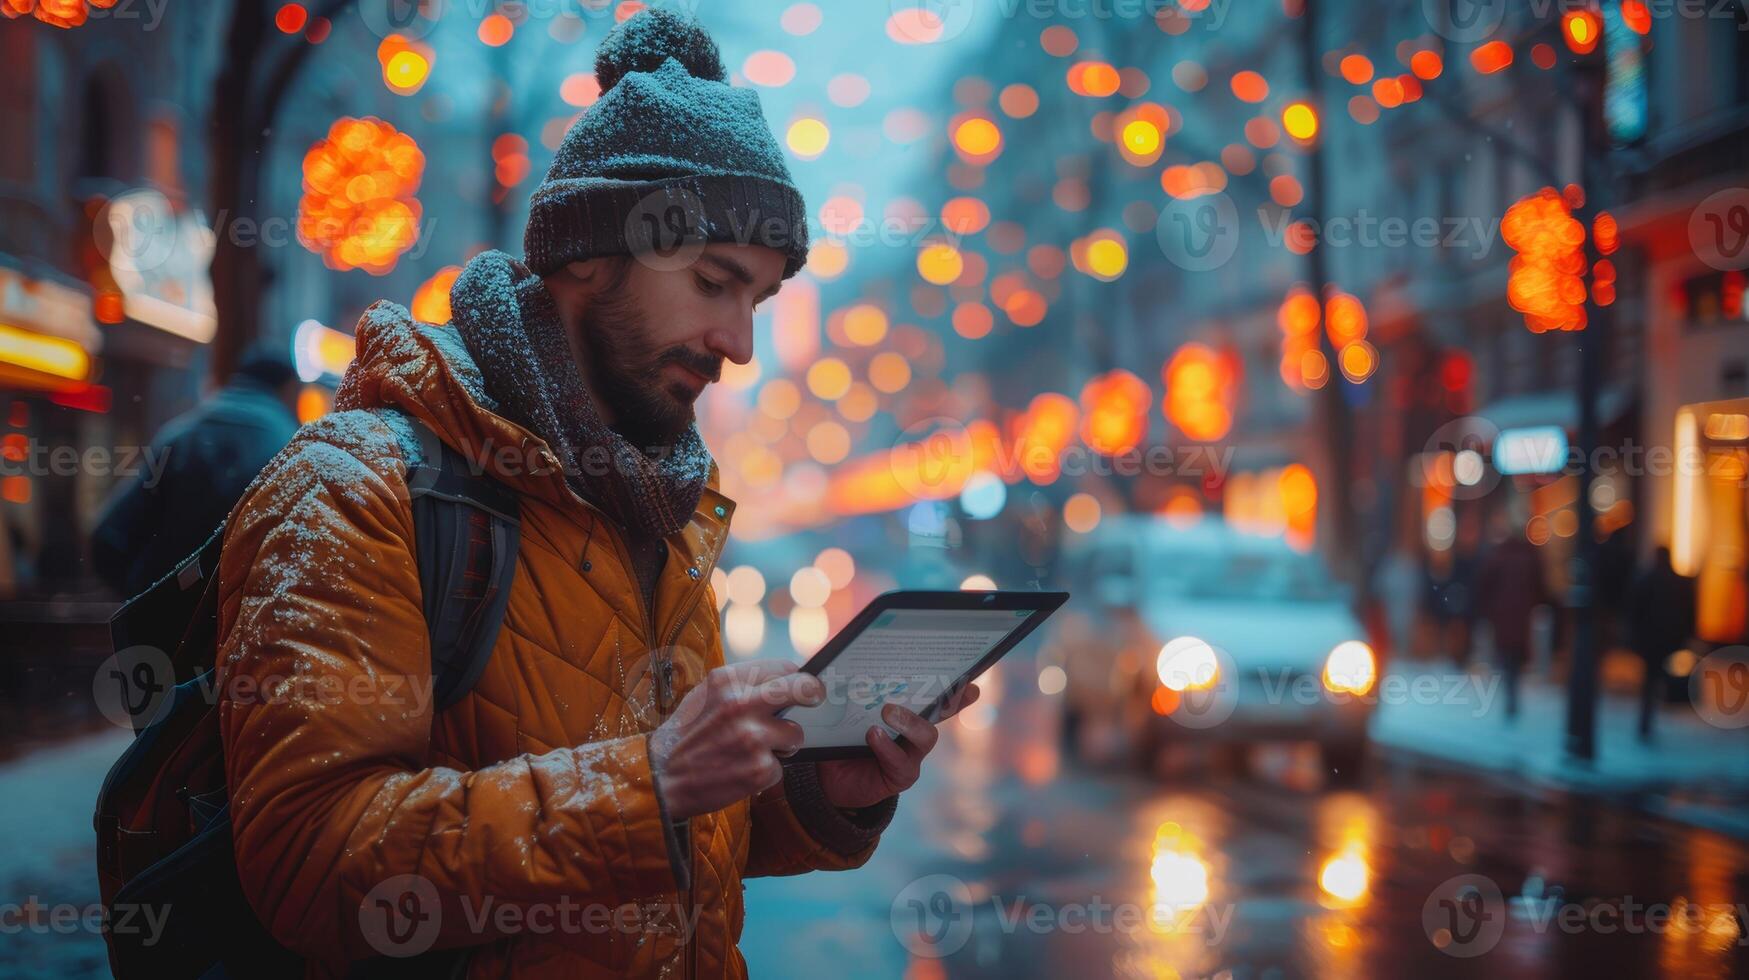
<point>1199,634</point>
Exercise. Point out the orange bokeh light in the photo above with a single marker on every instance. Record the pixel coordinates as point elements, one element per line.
<point>1114,412</point>
<point>1248,86</point>
<point>1095,79</point>
<point>1544,279</point>
<point>496,30</point>
<point>976,138</point>
<point>1637,16</point>
<point>55,13</point>
<point>358,210</point>
<point>1491,57</point>
<point>1199,392</point>
<point>1582,29</point>
<point>1388,92</point>
<point>431,299</point>
<point>1298,318</point>
<point>291,18</point>
<point>1356,69</point>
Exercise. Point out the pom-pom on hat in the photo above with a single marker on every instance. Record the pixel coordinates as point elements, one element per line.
<point>668,158</point>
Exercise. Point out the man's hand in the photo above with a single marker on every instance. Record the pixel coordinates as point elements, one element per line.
<point>721,743</point>
<point>852,783</point>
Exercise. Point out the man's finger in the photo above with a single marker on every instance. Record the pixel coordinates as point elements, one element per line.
<point>961,700</point>
<point>756,672</point>
<point>894,763</point>
<point>919,732</point>
<point>785,737</point>
<point>783,692</point>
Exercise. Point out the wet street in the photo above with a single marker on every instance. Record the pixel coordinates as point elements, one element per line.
<point>1016,865</point>
<point>1010,861</point>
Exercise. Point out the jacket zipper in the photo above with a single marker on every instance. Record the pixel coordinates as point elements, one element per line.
<point>696,592</point>
<point>665,680</point>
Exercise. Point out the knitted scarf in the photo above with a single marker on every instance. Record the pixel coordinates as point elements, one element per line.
<point>512,328</point>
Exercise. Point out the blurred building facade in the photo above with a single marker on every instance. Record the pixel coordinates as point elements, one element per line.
<point>1440,151</point>
<point>93,117</point>
<point>108,225</point>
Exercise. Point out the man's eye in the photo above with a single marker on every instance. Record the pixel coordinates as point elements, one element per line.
<point>708,287</point>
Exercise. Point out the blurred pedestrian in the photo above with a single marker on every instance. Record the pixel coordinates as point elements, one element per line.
<point>209,454</point>
<point>1511,587</point>
<point>1661,621</point>
<point>1450,585</point>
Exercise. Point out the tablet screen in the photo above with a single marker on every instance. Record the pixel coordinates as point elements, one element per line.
<point>908,656</point>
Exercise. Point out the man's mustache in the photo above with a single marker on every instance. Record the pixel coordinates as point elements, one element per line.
<point>705,365</point>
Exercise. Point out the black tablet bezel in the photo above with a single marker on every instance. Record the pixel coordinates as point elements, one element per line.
<point>1040,604</point>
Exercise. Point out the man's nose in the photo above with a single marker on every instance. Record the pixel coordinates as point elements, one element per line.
<point>732,341</point>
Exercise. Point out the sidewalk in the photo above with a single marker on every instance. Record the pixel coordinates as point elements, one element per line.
<point>51,852</point>
<point>1691,772</point>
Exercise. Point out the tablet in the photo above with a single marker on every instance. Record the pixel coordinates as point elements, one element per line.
<point>914,648</point>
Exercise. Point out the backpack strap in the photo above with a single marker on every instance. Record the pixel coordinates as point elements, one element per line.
<point>467,528</point>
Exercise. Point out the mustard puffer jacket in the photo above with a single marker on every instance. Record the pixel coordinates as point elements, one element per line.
<point>521,822</point>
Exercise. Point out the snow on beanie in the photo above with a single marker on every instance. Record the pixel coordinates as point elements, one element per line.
<point>668,158</point>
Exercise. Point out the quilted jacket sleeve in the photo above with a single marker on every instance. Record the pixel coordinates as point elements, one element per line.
<point>326,720</point>
<point>795,829</point>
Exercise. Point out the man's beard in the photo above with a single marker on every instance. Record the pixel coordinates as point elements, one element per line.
<point>648,410</point>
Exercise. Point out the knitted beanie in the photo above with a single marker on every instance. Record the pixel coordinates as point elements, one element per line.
<point>668,158</point>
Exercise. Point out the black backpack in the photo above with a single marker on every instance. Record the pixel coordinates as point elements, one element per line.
<point>163,815</point>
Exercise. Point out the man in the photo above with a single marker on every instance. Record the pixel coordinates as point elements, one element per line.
<point>208,456</point>
<point>1661,620</point>
<point>590,807</point>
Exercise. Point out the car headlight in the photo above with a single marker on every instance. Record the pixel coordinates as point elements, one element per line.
<point>1350,668</point>
<point>1187,664</point>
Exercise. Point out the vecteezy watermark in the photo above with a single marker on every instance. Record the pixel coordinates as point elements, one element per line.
<point>126,462</point>
<point>66,919</point>
<point>1467,441</point>
<point>1719,688</point>
<point>930,21</point>
<point>1630,916</point>
<point>141,233</point>
<point>925,21</point>
<point>149,12</point>
<point>1464,21</point>
<point>933,916</point>
<point>403,916</point>
<point>1202,688</point>
<point>1467,916</point>
<point>1464,456</point>
<point>1423,690</point>
<point>1475,236</point>
<point>505,460</point>
<point>1718,230</point>
<point>414,19</point>
<point>1469,21</point>
<point>134,686</point>
<point>665,230</point>
<point>1198,234</point>
<point>1464,916</point>
<point>935,454</point>
<point>669,228</point>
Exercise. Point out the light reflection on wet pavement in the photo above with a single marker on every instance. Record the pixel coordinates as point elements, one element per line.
<point>1009,862</point>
